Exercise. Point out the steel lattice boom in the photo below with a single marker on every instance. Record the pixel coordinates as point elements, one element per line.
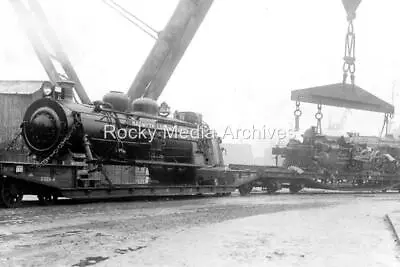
<point>39,32</point>
<point>169,48</point>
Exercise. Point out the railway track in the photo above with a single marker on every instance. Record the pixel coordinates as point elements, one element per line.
<point>31,201</point>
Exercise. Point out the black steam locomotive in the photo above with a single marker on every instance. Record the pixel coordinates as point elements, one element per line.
<point>56,128</point>
<point>342,155</point>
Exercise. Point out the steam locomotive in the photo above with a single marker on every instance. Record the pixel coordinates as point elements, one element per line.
<point>56,128</point>
<point>337,156</point>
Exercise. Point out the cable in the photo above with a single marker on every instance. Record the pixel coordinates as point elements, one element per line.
<point>132,15</point>
<point>129,19</point>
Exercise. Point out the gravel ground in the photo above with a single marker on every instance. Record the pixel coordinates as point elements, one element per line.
<point>278,230</point>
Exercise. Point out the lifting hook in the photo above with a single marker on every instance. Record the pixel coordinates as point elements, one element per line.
<point>351,7</point>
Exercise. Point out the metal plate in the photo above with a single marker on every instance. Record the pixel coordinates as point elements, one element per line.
<point>342,95</point>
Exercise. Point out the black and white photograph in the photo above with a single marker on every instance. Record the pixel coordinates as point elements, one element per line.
<point>196,133</point>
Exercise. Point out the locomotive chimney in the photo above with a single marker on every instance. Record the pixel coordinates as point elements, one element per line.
<point>67,90</point>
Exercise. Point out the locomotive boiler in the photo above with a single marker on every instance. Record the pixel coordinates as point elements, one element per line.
<point>110,131</point>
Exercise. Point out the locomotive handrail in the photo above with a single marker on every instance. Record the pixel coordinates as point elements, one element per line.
<point>98,106</point>
<point>139,115</point>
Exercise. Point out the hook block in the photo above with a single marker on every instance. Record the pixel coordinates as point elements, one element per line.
<point>351,7</point>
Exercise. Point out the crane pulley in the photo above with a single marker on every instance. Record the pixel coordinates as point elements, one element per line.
<point>351,7</point>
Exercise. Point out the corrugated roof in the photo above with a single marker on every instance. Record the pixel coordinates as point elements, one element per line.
<point>19,87</point>
<point>342,95</point>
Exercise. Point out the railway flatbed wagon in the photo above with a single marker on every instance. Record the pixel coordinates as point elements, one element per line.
<point>51,181</point>
<point>114,149</point>
<point>272,178</point>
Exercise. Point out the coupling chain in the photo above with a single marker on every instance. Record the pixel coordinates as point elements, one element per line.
<point>12,143</point>
<point>349,54</point>
<point>59,146</point>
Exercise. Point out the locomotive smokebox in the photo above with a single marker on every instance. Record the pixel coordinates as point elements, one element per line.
<point>45,123</point>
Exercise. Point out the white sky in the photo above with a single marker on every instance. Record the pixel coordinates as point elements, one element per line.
<point>241,66</point>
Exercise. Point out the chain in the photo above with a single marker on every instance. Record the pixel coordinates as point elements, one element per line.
<point>297,111</point>
<point>60,145</point>
<point>349,54</point>
<point>319,117</point>
<point>386,124</point>
<point>297,114</point>
<point>120,143</point>
<point>12,143</point>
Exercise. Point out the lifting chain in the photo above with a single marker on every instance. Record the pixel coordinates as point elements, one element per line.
<point>319,117</point>
<point>297,114</point>
<point>349,66</point>
<point>61,145</point>
<point>385,126</point>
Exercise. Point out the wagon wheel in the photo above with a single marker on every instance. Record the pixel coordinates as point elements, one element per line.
<point>10,195</point>
<point>295,188</point>
<point>272,187</point>
<point>225,194</point>
<point>245,189</point>
<point>47,199</point>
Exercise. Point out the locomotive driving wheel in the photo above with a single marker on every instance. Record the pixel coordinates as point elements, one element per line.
<point>10,195</point>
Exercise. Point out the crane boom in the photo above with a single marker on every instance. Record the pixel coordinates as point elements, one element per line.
<point>61,56</point>
<point>26,20</point>
<point>169,49</point>
<point>36,27</point>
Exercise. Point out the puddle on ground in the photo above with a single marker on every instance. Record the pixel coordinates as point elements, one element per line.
<point>90,261</point>
<point>124,251</point>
